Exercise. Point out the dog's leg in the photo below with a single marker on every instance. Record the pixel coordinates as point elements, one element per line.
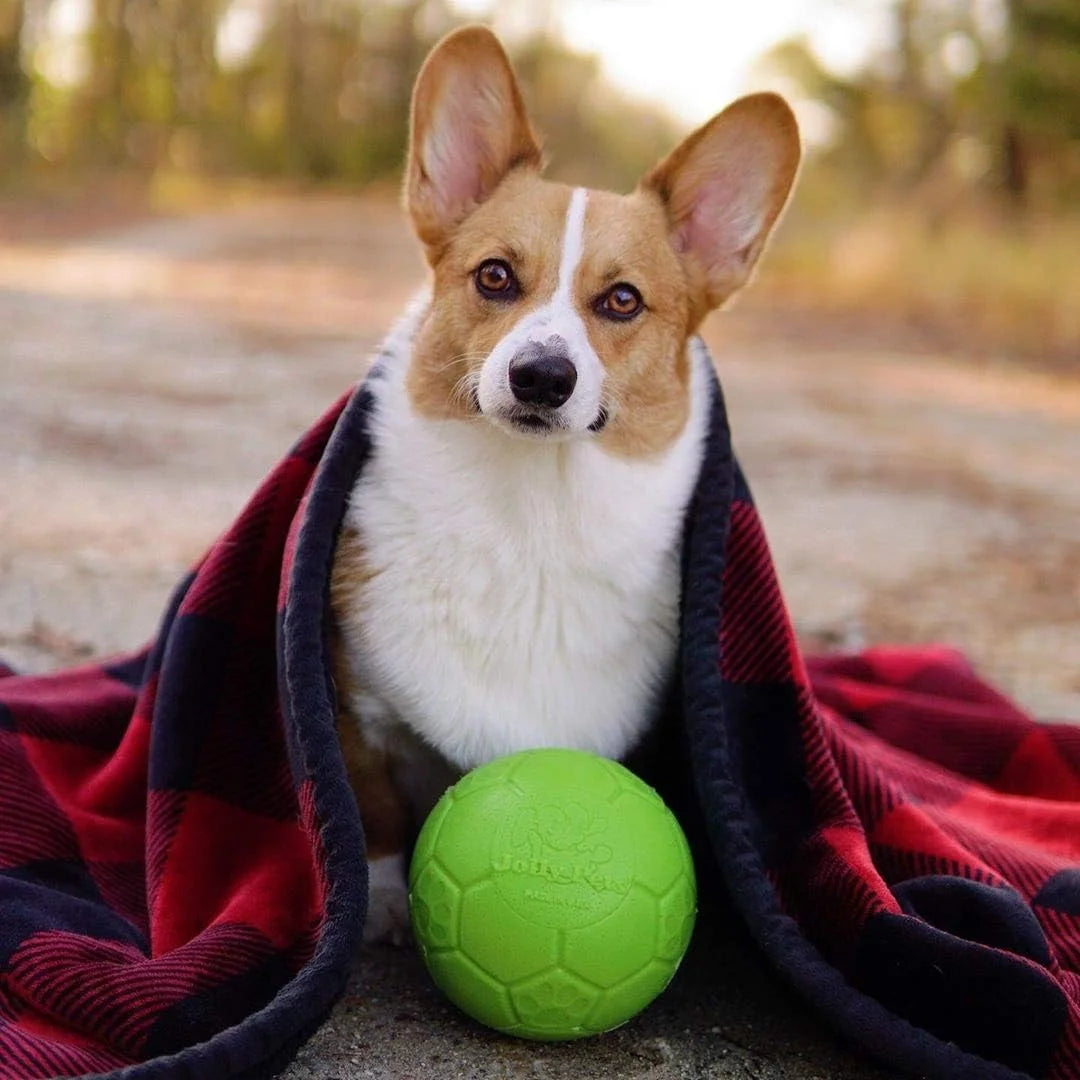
<point>387,821</point>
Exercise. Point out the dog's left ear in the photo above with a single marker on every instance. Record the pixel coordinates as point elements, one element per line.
<point>723,188</point>
<point>468,130</point>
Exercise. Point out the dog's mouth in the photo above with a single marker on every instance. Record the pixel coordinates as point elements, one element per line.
<point>533,423</point>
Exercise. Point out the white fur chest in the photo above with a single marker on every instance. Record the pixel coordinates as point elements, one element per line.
<point>516,593</point>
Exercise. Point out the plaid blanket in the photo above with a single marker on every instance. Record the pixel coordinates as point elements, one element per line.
<point>182,881</point>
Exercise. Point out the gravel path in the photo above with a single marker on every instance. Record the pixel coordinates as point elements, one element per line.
<point>151,373</point>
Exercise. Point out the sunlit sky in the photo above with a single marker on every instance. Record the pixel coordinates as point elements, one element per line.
<point>690,56</point>
<point>694,56</point>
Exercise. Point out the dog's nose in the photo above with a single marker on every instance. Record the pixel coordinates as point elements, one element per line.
<point>542,376</point>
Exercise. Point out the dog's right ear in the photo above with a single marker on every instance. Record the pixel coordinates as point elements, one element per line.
<point>723,188</point>
<point>468,130</point>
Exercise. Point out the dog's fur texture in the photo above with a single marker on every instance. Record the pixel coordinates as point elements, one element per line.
<point>507,574</point>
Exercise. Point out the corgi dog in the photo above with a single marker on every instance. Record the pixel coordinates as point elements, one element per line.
<point>507,573</point>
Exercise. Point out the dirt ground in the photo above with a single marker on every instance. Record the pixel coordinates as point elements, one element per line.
<point>152,370</point>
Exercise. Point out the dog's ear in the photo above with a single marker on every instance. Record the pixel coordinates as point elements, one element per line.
<point>468,130</point>
<point>723,188</point>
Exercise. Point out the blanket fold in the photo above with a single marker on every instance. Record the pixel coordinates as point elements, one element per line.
<point>182,878</point>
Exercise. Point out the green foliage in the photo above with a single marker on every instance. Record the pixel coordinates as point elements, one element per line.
<point>1043,73</point>
<point>14,84</point>
<point>947,197</point>
<point>307,89</point>
<point>962,282</point>
<point>954,107</point>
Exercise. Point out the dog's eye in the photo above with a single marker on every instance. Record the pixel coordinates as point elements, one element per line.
<point>621,301</point>
<point>495,280</point>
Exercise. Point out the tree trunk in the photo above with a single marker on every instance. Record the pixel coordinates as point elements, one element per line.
<point>13,81</point>
<point>1014,167</point>
<point>110,62</point>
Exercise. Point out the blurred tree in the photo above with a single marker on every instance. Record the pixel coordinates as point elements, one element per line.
<point>14,84</point>
<point>1037,83</point>
<point>12,76</point>
<point>965,92</point>
<point>314,89</point>
<point>103,109</point>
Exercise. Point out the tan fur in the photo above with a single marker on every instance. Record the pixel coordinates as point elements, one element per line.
<point>645,239</point>
<point>626,240</point>
<point>474,192</point>
<point>466,76</point>
<point>756,136</point>
<point>385,817</point>
<point>645,359</point>
<point>387,822</point>
<point>521,222</point>
<point>349,575</point>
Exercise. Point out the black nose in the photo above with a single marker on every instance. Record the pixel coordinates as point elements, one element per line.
<point>542,376</point>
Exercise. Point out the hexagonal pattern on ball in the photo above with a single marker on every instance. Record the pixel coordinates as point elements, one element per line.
<point>500,941</point>
<point>466,830</point>
<point>553,894</point>
<point>676,916</point>
<point>435,905</point>
<point>554,1005</point>
<point>490,775</point>
<point>663,854</point>
<point>471,989</point>
<point>534,770</point>
<point>624,1001</point>
<point>619,945</point>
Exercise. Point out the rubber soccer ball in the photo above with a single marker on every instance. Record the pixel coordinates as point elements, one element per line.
<point>552,894</point>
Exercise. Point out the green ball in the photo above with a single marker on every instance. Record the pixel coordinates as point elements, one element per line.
<point>552,894</point>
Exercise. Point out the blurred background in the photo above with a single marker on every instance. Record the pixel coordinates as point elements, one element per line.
<point>941,184</point>
<point>200,241</point>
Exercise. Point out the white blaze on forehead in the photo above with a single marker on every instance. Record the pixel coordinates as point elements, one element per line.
<point>557,317</point>
<point>573,244</point>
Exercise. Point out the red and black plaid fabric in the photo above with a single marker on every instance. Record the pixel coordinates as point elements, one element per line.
<point>181,872</point>
<point>903,841</point>
<point>182,882</point>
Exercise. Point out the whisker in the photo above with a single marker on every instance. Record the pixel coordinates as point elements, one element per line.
<point>465,390</point>
<point>461,358</point>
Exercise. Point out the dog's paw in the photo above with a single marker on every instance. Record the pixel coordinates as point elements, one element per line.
<point>388,902</point>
